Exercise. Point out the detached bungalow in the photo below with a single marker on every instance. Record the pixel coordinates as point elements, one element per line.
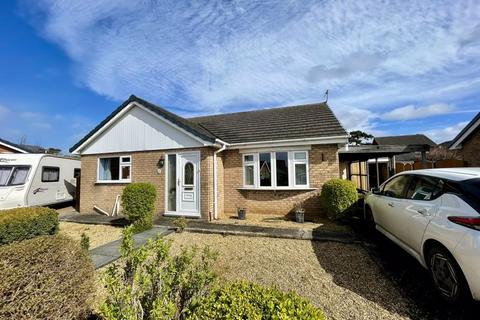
<point>264,161</point>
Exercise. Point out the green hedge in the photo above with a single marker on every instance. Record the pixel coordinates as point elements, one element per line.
<point>138,203</point>
<point>243,300</point>
<point>25,223</point>
<point>47,277</point>
<point>337,197</point>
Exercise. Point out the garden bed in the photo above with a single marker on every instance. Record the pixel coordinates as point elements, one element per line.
<point>98,234</point>
<point>280,221</point>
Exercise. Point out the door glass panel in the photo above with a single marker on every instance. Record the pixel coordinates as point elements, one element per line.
<point>265,170</point>
<point>188,173</point>
<point>172,182</point>
<point>395,187</point>
<point>282,169</point>
<point>425,188</point>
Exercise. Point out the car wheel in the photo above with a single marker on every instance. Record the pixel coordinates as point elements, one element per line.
<point>369,219</point>
<point>447,276</point>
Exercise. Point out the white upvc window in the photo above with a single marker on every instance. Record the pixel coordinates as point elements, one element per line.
<point>281,169</point>
<point>300,169</point>
<point>114,169</point>
<point>249,172</point>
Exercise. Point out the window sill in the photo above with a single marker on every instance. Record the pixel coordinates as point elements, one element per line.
<point>113,182</point>
<point>278,189</point>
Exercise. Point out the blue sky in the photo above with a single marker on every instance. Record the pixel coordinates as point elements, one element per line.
<point>392,67</point>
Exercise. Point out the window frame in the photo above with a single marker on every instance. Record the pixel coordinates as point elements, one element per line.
<point>120,166</point>
<point>253,164</point>
<point>50,167</point>
<point>273,163</point>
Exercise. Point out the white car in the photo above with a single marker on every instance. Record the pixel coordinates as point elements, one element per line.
<point>434,214</point>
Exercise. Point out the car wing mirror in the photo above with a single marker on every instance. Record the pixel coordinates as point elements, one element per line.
<point>375,190</point>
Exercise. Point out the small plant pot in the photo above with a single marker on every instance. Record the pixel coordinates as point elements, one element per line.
<point>242,214</point>
<point>300,216</point>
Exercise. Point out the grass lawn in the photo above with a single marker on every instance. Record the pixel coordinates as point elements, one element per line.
<point>340,279</point>
<point>98,234</point>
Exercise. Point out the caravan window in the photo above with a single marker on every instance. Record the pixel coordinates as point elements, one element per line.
<point>13,175</point>
<point>114,169</point>
<point>50,174</point>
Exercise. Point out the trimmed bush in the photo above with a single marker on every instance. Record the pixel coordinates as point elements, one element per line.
<point>25,223</point>
<point>138,203</point>
<point>48,277</point>
<point>243,300</point>
<point>337,197</point>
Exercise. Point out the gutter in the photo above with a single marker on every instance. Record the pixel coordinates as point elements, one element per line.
<point>215,184</point>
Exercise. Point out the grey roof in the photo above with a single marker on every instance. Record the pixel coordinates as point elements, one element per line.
<point>295,122</point>
<point>405,140</point>
<point>467,127</point>
<point>179,121</point>
<point>304,121</point>
<point>25,147</point>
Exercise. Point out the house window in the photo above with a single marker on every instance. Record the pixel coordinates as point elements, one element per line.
<point>249,170</point>
<point>281,169</point>
<point>265,170</point>
<point>300,167</point>
<point>115,169</point>
<point>50,174</point>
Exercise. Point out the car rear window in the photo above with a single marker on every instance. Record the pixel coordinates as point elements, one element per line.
<point>472,188</point>
<point>468,190</point>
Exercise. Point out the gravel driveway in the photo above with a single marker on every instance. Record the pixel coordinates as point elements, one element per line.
<point>341,279</point>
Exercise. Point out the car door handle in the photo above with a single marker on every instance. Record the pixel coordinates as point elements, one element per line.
<point>391,204</point>
<point>423,212</point>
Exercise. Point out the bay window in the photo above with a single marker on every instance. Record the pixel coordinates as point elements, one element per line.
<point>114,169</point>
<point>279,169</point>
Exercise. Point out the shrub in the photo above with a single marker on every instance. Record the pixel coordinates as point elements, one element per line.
<point>337,197</point>
<point>25,223</point>
<point>243,300</point>
<point>84,241</point>
<point>48,277</point>
<point>150,283</point>
<point>138,203</point>
<point>180,224</point>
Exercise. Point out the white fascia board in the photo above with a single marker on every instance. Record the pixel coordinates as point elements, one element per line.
<point>123,112</point>
<point>12,147</point>
<point>290,142</point>
<point>458,143</point>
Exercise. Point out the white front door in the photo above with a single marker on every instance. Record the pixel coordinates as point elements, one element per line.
<point>183,184</point>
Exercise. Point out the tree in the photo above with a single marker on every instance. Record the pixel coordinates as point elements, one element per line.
<point>358,137</point>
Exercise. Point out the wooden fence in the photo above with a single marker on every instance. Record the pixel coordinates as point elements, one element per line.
<point>451,163</point>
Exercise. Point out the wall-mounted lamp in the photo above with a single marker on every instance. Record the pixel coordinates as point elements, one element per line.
<point>160,164</point>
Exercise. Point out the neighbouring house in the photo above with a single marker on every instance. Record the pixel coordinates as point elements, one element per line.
<point>406,140</point>
<point>467,143</point>
<point>264,160</point>
<point>10,147</point>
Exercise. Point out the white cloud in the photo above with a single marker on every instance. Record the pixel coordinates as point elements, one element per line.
<point>412,112</point>
<point>443,134</point>
<point>214,55</point>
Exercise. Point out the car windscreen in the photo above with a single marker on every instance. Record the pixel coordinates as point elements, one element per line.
<point>13,175</point>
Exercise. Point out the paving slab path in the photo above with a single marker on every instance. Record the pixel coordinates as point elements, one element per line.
<point>110,252</point>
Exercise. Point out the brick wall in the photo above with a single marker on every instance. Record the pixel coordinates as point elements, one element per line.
<point>144,169</point>
<point>471,149</point>
<point>278,202</point>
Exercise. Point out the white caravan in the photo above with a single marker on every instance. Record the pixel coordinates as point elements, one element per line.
<point>28,180</point>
